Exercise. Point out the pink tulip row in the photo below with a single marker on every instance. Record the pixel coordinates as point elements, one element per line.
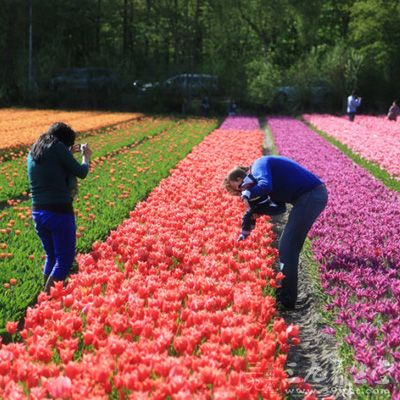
<point>373,138</point>
<point>379,123</point>
<point>170,306</point>
<point>241,123</point>
<point>356,241</point>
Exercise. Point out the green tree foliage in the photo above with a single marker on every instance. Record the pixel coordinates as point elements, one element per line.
<point>254,46</point>
<point>373,31</point>
<point>262,80</point>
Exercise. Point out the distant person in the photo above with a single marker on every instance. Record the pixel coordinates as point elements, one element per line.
<point>184,106</point>
<point>205,105</point>
<point>232,108</point>
<point>394,111</point>
<point>52,172</point>
<point>353,102</point>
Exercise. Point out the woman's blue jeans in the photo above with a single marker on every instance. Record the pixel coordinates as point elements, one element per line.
<point>57,233</point>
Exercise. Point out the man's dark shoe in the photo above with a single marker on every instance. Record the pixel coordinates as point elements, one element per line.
<point>282,303</point>
<point>286,306</point>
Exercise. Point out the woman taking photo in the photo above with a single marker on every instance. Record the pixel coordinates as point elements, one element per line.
<point>52,172</point>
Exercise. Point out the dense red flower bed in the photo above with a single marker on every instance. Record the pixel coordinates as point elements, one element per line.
<point>170,305</point>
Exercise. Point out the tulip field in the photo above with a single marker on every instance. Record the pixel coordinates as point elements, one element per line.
<point>356,242</point>
<point>169,306</point>
<point>165,303</point>
<point>21,127</point>
<point>122,173</point>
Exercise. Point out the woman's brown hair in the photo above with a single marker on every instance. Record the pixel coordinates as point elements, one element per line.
<point>233,175</point>
<point>58,132</point>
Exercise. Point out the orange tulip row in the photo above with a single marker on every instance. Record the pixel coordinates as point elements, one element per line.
<point>20,127</point>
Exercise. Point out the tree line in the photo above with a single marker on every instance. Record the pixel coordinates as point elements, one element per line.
<point>254,46</point>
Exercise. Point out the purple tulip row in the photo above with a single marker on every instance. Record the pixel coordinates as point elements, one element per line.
<point>357,244</point>
<point>240,123</point>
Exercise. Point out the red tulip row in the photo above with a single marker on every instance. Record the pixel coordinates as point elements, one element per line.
<point>170,306</point>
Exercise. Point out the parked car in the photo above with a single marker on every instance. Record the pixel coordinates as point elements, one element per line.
<point>195,84</point>
<point>316,95</point>
<point>147,87</point>
<point>84,79</point>
<point>184,84</point>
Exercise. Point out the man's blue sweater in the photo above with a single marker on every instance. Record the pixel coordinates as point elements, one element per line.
<point>282,179</point>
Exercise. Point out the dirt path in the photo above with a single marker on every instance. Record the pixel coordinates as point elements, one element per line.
<point>316,358</point>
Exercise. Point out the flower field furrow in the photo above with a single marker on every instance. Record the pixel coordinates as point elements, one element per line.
<point>373,138</point>
<point>170,306</point>
<point>14,179</point>
<point>356,242</point>
<point>116,183</point>
<point>22,126</point>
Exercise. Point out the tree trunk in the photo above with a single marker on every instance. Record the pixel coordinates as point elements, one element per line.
<point>198,36</point>
<point>189,57</point>
<point>175,33</point>
<point>98,27</point>
<point>9,60</point>
<point>146,40</point>
<point>131,38</point>
<point>125,30</point>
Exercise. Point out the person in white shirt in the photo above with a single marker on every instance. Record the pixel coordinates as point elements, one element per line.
<point>353,102</point>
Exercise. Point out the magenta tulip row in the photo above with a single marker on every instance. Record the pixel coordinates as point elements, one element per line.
<point>374,138</point>
<point>356,242</point>
<point>240,123</point>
